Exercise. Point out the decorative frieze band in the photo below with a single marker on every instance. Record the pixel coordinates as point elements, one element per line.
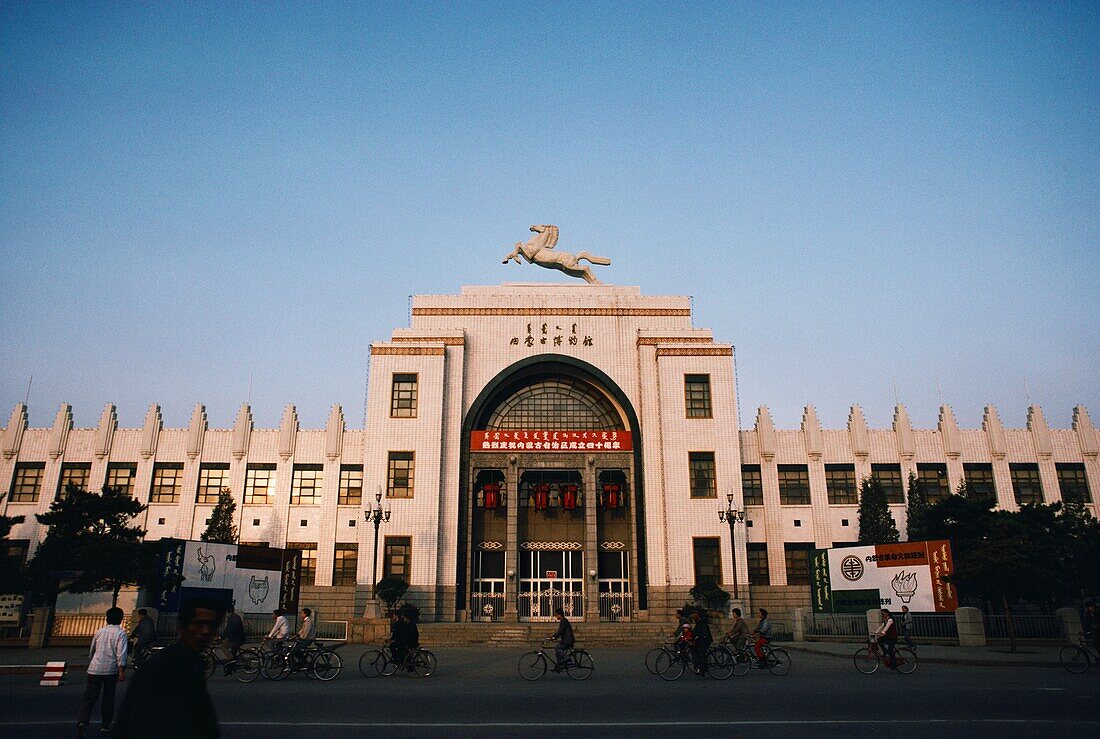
<point>490,546</point>
<point>407,351</point>
<point>685,351</point>
<point>445,340</point>
<point>655,340</point>
<point>551,311</point>
<point>544,546</point>
<point>612,546</point>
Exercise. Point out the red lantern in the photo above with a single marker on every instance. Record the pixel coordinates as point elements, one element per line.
<point>542,497</point>
<point>569,497</point>
<point>491,492</point>
<point>612,498</point>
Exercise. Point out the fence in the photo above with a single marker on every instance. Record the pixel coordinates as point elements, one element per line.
<point>539,605</point>
<point>81,625</point>
<point>934,625</point>
<point>1025,627</point>
<point>486,606</point>
<point>616,606</point>
<point>837,624</point>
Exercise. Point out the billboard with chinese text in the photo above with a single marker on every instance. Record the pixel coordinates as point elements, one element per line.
<point>254,579</point>
<point>856,579</point>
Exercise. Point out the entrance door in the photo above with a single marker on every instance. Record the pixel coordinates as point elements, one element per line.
<point>487,593</point>
<point>616,600</point>
<point>550,580</point>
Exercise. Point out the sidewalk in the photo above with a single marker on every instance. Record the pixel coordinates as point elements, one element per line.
<point>1027,655</point>
<point>14,660</point>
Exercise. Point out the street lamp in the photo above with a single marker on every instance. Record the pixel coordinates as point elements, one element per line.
<point>376,514</point>
<point>732,516</point>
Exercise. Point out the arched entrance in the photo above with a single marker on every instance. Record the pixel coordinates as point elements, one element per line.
<point>550,514</point>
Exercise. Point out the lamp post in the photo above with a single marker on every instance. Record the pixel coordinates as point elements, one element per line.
<point>377,515</point>
<point>732,516</point>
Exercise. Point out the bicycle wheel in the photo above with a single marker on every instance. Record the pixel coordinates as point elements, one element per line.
<point>275,667</point>
<point>580,665</point>
<point>905,660</point>
<point>371,662</point>
<point>741,664</point>
<point>670,666</point>
<point>1074,658</point>
<point>719,663</point>
<point>865,660</point>
<point>532,665</point>
<point>325,666</point>
<point>651,659</point>
<point>779,662</point>
<point>246,667</point>
<point>425,663</point>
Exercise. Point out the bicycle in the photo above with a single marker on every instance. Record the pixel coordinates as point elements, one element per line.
<point>776,660</point>
<point>1077,657</point>
<point>867,659</point>
<point>578,663</point>
<point>652,655</point>
<point>418,662</point>
<point>245,665</point>
<point>672,663</point>
<point>316,660</point>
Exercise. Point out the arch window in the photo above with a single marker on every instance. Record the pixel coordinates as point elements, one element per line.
<point>556,404</point>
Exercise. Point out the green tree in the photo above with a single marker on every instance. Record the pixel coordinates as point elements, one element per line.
<point>390,589</point>
<point>221,528</point>
<point>876,525</point>
<point>91,542</point>
<point>916,511</point>
<point>11,579</point>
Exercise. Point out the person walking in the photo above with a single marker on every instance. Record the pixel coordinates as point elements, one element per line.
<point>905,627</point>
<point>234,633</point>
<point>106,669</point>
<point>168,699</point>
<point>144,634</point>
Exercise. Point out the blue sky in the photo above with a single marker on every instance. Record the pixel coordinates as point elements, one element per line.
<point>852,193</point>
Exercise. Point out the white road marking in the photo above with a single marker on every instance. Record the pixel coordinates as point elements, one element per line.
<point>610,724</point>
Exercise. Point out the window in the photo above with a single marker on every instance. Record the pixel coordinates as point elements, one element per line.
<point>398,559</point>
<point>1073,483</point>
<point>120,476</point>
<point>752,485</point>
<point>1025,483</point>
<point>932,479</point>
<point>798,563</point>
<point>697,395</point>
<point>708,564</point>
<point>840,484</point>
<point>889,477</point>
<point>259,483</point>
<point>73,474</point>
<point>14,553</point>
<point>561,403</point>
<point>403,397</point>
<point>399,478</point>
<point>309,561</point>
<point>758,564</point>
<point>351,485</point>
<point>703,483</point>
<point>979,479</point>
<point>794,484</point>
<point>306,485</point>
<point>27,481</point>
<point>212,478</point>
<point>343,564</point>
<point>167,481</point>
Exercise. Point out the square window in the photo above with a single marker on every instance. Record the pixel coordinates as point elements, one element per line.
<point>213,478</point>
<point>304,522</point>
<point>167,481</point>
<point>798,523</point>
<point>932,479</point>
<point>309,561</point>
<point>701,469</point>
<point>798,563</point>
<point>398,557</point>
<point>843,522</point>
<point>979,479</point>
<point>120,476</point>
<point>840,484</point>
<point>794,484</point>
<point>351,524</point>
<point>160,521</point>
<point>351,485</point>
<point>259,483</point>
<point>307,484</point>
<point>889,478</point>
<point>207,522</point>
<point>74,476</point>
<point>27,482</point>
<point>255,522</point>
<point>1072,482</point>
<point>706,559</point>
<point>1025,483</point>
<point>748,524</point>
<point>697,396</point>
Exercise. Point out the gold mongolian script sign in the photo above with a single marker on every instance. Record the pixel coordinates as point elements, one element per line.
<point>551,441</point>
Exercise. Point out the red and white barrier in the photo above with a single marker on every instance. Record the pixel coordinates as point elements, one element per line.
<point>55,674</point>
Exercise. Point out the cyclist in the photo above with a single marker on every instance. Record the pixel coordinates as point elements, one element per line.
<point>702,642</point>
<point>763,634</point>
<point>1090,623</point>
<point>281,630</point>
<point>406,638</point>
<point>887,637</point>
<point>684,634</point>
<point>143,635</point>
<point>304,637</point>
<point>565,639</point>
<point>739,631</point>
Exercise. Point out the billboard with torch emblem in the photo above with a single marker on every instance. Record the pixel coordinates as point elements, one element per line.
<point>255,579</point>
<point>855,579</point>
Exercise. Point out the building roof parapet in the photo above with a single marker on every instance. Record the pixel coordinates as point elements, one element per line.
<point>1086,432</point>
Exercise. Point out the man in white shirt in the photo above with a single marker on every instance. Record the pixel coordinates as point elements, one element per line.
<point>281,630</point>
<point>106,669</point>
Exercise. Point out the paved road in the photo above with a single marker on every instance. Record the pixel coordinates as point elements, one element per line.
<point>477,693</point>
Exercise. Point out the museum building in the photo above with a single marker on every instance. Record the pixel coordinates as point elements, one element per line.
<point>539,446</point>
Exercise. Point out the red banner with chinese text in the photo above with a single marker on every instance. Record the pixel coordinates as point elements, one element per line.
<point>551,441</point>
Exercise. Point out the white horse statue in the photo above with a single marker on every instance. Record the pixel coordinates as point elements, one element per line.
<point>539,250</point>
